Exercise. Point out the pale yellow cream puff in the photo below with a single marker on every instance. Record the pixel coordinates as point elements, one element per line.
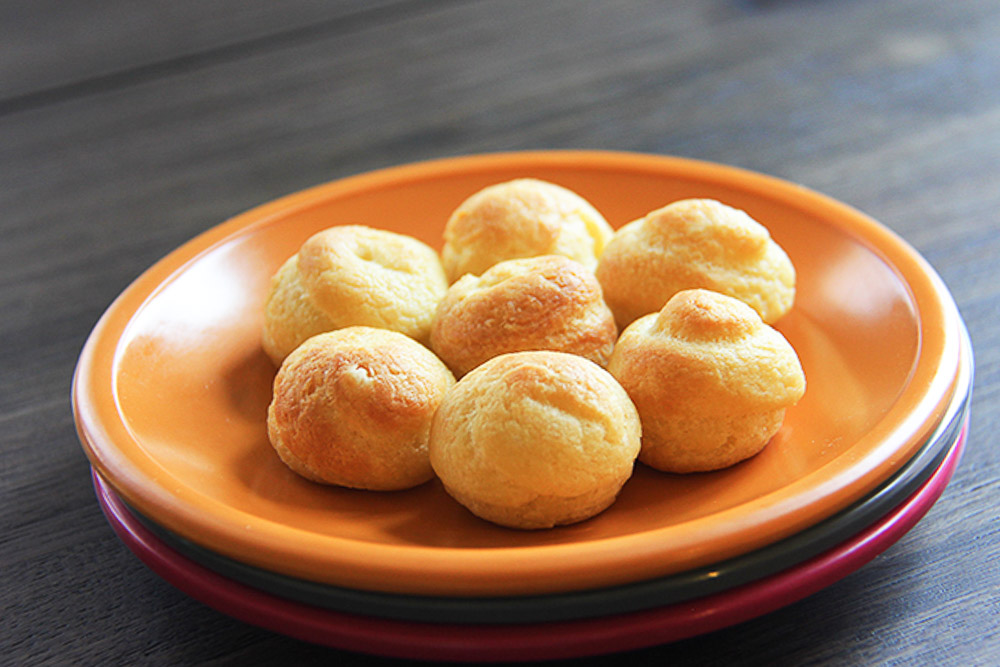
<point>695,243</point>
<point>525,217</point>
<point>353,275</point>
<point>535,439</point>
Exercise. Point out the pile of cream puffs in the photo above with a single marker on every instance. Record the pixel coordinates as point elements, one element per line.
<point>537,357</point>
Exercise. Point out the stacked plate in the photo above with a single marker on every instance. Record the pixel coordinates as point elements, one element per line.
<point>172,387</point>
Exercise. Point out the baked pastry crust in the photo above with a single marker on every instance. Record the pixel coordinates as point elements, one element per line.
<point>524,217</point>
<point>290,317</point>
<point>353,275</point>
<point>548,302</point>
<point>710,379</point>
<point>353,407</point>
<point>695,243</point>
<point>535,439</point>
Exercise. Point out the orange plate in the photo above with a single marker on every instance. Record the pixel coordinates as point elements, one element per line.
<point>172,387</point>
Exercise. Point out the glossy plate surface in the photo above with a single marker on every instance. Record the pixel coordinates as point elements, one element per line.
<point>172,387</point>
<point>533,641</point>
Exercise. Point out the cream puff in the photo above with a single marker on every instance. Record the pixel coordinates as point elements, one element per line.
<point>353,275</point>
<point>524,217</point>
<point>710,379</point>
<point>549,302</point>
<point>353,408</point>
<point>535,439</point>
<point>695,243</point>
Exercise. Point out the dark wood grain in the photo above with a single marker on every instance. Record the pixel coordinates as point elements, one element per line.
<point>127,128</point>
<point>56,51</point>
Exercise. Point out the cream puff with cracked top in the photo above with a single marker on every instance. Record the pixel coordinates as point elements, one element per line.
<point>548,302</point>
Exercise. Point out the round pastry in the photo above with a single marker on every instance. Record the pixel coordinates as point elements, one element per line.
<point>548,302</point>
<point>525,217</point>
<point>535,439</point>
<point>353,276</point>
<point>353,407</point>
<point>695,243</point>
<point>710,379</point>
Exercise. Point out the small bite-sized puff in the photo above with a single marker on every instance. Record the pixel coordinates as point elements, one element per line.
<point>525,217</point>
<point>353,276</point>
<point>353,407</point>
<point>535,439</point>
<point>710,379</point>
<point>548,302</point>
<point>695,243</point>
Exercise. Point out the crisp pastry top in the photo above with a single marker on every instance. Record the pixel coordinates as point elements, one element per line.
<point>521,218</point>
<point>695,243</point>
<point>712,354</point>
<point>548,302</point>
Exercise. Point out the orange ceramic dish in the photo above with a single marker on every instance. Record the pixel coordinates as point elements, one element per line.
<point>171,391</point>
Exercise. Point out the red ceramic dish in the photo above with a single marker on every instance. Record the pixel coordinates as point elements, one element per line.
<point>537,641</point>
<point>172,386</point>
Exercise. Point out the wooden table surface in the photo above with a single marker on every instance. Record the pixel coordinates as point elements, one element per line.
<point>127,128</point>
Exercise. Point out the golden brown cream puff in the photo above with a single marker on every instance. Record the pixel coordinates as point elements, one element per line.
<point>710,379</point>
<point>353,407</point>
<point>548,302</point>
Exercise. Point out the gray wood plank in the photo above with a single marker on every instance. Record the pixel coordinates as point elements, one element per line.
<point>51,50</point>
